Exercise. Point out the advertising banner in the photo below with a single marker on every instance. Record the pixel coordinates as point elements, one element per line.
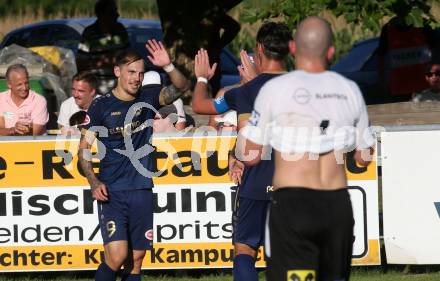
<point>48,219</point>
<point>411,196</point>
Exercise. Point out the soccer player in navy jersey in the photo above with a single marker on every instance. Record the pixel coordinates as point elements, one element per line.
<point>121,121</point>
<point>253,191</point>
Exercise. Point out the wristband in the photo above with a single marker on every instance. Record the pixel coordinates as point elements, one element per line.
<point>202,79</point>
<point>169,68</point>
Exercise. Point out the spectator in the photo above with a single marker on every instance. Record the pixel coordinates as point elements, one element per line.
<point>151,79</point>
<point>103,39</point>
<point>83,92</point>
<point>432,76</point>
<point>22,111</point>
<point>227,122</point>
<point>403,52</point>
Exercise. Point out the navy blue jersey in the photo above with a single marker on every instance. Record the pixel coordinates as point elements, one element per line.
<point>119,169</point>
<point>256,179</point>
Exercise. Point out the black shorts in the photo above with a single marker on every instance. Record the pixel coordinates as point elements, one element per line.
<point>310,235</point>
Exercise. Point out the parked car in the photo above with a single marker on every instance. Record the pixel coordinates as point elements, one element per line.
<point>67,33</point>
<point>360,64</point>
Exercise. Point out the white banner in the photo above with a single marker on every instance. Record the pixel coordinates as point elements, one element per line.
<point>411,196</point>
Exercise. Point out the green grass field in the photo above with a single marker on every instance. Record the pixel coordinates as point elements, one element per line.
<point>359,274</point>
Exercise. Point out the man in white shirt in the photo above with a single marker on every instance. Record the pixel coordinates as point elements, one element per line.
<point>311,117</point>
<point>83,92</point>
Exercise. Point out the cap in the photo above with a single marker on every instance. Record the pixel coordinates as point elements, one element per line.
<point>151,78</point>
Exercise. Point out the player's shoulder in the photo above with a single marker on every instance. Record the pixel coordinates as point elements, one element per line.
<point>101,99</point>
<point>150,91</point>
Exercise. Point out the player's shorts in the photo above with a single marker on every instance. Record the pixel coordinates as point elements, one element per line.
<point>128,215</point>
<point>248,221</point>
<point>310,234</point>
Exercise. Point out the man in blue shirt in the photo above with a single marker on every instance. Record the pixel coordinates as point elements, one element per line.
<point>121,121</point>
<point>253,193</point>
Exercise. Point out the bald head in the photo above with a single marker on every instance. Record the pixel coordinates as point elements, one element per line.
<point>313,38</point>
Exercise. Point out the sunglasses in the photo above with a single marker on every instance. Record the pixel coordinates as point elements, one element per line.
<point>430,74</point>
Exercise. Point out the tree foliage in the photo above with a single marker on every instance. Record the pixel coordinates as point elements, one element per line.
<point>69,8</point>
<point>368,14</point>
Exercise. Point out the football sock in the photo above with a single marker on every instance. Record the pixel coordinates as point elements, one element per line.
<point>105,273</point>
<point>244,268</point>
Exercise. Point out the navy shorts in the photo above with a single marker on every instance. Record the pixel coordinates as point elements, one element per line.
<point>248,221</point>
<point>128,215</point>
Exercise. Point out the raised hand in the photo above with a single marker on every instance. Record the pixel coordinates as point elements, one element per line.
<point>247,68</point>
<point>158,54</point>
<point>201,65</point>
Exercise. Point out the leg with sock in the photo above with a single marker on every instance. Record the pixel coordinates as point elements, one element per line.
<point>244,268</point>
<point>105,273</point>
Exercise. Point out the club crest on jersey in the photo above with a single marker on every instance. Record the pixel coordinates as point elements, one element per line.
<point>86,120</point>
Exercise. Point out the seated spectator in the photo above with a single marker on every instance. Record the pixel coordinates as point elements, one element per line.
<point>227,122</point>
<point>432,76</point>
<point>153,78</point>
<point>22,111</point>
<point>83,92</point>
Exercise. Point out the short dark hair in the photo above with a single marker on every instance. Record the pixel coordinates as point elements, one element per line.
<point>275,37</point>
<point>126,57</point>
<point>16,67</point>
<point>86,76</point>
<point>101,6</point>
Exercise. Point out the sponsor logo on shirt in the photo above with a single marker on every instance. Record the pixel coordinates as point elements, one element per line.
<point>330,96</point>
<point>116,113</point>
<point>302,96</point>
<point>255,117</point>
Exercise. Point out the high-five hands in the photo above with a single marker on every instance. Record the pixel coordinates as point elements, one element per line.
<point>201,65</point>
<point>247,68</point>
<point>158,54</point>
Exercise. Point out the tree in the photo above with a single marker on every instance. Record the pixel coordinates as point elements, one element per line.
<point>189,25</point>
<point>368,14</point>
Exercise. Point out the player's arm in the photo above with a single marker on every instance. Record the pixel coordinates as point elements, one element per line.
<point>99,190</point>
<point>248,151</point>
<point>254,135</point>
<point>364,140</point>
<point>160,58</point>
<point>201,102</point>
